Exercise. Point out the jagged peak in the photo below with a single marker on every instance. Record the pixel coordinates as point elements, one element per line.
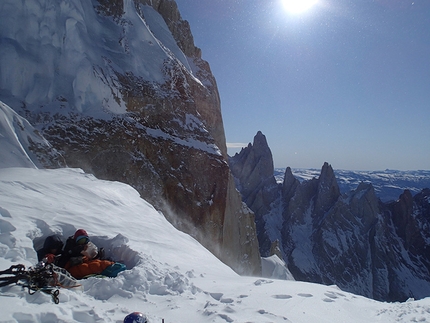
<point>328,191</point>
<point>402,209</point>
<point>260,144</point>
<point>255,158</point>
<point>406,196</point>
<point>288,174</point>
<point>424,194</point>
<point>364,186</point>
<point>364,191</point>
<point>327,181</point>
<point>326,171</point>
<point>289,178</point>
<point>289,185</point>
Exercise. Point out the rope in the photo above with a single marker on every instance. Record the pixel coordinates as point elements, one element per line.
<point>40,278</point>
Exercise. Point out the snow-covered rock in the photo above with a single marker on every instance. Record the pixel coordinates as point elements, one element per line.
<point>22,145</point>
<point>120,90</point>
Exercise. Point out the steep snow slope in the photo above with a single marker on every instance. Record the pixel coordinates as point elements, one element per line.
<point>68,55</point>
<point>22,145</point>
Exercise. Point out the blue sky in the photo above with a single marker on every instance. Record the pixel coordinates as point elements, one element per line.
<point>345,82</point>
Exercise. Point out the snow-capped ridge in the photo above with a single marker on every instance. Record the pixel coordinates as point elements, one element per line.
<point>22,145</point>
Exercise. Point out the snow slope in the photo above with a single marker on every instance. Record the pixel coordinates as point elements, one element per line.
<point>22,145</point>
<point>170,275</point>
<point>14,132</point>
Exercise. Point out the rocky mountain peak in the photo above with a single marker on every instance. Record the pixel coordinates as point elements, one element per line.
<point>328,190</point>
<point>253,170</point>
<point>289,185</point>
<point>254,164</point>
<point>404,219</point>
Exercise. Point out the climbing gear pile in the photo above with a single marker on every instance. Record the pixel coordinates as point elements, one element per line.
<point>43,277</point>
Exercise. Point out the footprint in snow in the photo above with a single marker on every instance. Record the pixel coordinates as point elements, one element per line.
<point>226,300</point>
<point>328,300</point>
<point>229,309</point>
<point>6,226</point>
<point>265,313</point>
<point>305,295</point>
<point>4,213</point>
<point>281,296</point>
<point>331,295</point>
<point>216,296</point>
<point>262,281</point>
<point>262,312</point>
<point>226,318</point>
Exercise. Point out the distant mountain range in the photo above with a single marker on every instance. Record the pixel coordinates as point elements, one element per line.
<point>388,184</point>
<point>365,232</point>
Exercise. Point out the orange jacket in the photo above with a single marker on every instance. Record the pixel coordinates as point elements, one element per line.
<point>88,267</point>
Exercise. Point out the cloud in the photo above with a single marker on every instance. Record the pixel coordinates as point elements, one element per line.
<point>236,145</point>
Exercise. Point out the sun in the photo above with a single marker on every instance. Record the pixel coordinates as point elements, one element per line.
<point>298,6</point>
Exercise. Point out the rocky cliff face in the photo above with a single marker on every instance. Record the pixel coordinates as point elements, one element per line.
<point>120,90</point>
<point>379,250</point>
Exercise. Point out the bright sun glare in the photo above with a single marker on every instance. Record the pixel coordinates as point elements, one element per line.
<point>298,6</point>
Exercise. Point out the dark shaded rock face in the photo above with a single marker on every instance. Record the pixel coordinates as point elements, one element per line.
<point>253,171</point>
<point>353,240</point>
<point>124,94</point>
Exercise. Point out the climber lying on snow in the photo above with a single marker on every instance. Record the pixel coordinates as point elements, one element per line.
<point>81,258</point>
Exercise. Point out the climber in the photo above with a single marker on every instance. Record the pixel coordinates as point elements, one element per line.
<point>52,248</point>
<point>82,258</point>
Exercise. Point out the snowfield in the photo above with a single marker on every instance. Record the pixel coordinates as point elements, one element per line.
<point>170,276</point>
